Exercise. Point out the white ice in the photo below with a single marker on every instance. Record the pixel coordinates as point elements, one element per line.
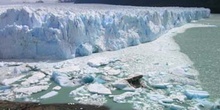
<point>49,94</point>
<point>30,30</point>
<point>99,89</point>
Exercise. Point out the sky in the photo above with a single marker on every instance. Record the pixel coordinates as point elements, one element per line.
<point>214,5</point>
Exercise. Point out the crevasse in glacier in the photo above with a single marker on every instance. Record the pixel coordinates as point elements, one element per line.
<point>62,33</point>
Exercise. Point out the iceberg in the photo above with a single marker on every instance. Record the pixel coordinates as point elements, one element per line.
<point>30,31</point>
<point>196,94</point>
<point>99,89</point>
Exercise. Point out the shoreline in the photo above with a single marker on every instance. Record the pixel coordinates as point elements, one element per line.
<point>5,105</point>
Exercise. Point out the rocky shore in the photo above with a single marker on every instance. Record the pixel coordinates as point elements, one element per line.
<point>7,105</point>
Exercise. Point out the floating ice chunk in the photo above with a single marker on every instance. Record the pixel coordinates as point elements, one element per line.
<point>87,79</point>
<point>98,61</point>
<point>12,80</point>
<point>167,100</point>
<point>31,90</point>
<point>100,80</point>
<point>121,84</point>
<point>99,89</point>
<point>129,88</point>
<point>57,88</point>
<point>80,91</point>
<point>81,95</point>
<point>62,79</point>
<point>159,85</point>
<point>48,95</point>
<point>196,94</point>
<point>35,78</point>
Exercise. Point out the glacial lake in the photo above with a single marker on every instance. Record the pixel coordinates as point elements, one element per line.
<point>202,46</point>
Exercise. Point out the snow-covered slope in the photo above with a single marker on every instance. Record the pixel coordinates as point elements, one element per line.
<point>63,31</point>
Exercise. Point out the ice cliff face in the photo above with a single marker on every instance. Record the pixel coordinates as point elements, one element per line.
<point>62,33</point>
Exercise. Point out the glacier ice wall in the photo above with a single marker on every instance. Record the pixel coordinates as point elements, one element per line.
<point>62,33</point>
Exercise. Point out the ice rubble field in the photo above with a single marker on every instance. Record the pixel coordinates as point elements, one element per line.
<point>29,31</point>
<point>65,31</point>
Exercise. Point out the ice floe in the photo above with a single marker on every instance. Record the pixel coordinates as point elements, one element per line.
<point>48,95</point>
<point>99,89</point>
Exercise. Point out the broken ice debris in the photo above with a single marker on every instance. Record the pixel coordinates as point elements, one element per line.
<point>31,90</point>
<point>113,72</point>
<point>48,95</point>
<point>12,80</point>
<point>99,89</point>
<point>196,94</point>
<point>121,84</point>
<point>101,61</point>
<point>159,85</point>
<point>122,97</point>
<point>62,79</point>
<point>98,61</point>
<point>67,69</point>
<point>35,78</point>
<point>173,106</point>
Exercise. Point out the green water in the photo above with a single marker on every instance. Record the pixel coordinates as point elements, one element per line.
<point>63,97</point>
<point>202,46</point>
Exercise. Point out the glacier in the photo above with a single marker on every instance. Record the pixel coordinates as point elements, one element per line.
<point>33,31</point>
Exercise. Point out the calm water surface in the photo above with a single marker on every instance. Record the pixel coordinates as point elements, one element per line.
<point>202,45</point>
